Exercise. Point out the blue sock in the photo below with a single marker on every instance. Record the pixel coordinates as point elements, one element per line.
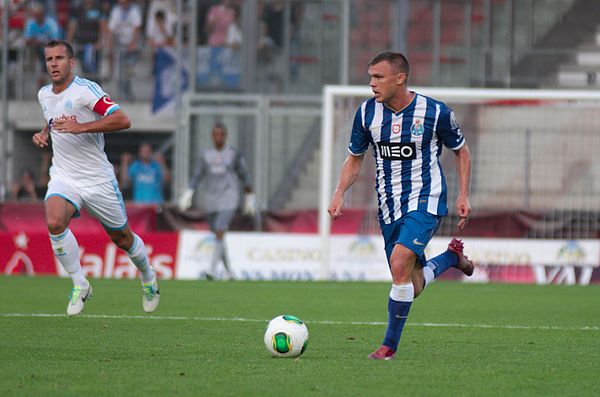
<point>442,262</point>
<point>397,313</point>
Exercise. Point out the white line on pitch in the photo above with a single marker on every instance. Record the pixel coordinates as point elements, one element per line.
<point>323,322</point>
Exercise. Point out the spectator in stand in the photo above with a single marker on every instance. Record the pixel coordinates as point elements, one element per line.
<point>148,175</point>
<point>16,27</point>
<point>106,6</point>
<point>218,19</point>
<point>124,25</point>
<point>266,45</point>
<point>25,188</point>
<point>168,7</point>
<point>87,27</point>
<point>201,34</point>
<point>39,29</point>
<point>234,31</point>
<point>273,14</point>
<point>161,33</point>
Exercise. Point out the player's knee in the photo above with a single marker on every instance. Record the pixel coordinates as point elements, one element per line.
<point>401,269</point>
<point>402,263</point>
<point>56,225</point>
<point>400,272</point>
<point>122,240</point>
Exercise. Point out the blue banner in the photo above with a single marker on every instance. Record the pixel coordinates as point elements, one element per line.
<point>165,82</point>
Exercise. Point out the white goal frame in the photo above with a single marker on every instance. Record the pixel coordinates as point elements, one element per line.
<point>447,94</point>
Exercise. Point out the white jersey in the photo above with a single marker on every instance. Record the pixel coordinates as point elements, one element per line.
<point>78,158</point>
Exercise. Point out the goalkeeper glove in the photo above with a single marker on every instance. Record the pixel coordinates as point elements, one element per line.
<point>185,201</point>
<point>250,204</point>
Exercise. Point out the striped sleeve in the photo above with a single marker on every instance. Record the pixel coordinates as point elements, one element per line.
<point>359,139</point>
<point>448,129</point>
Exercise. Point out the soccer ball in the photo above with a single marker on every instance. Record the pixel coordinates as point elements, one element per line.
<point>286,336</point>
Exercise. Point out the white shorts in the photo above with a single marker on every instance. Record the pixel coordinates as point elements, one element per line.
<point>103,201</point>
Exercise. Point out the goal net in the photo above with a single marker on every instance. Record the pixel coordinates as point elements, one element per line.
<point>534,155</point>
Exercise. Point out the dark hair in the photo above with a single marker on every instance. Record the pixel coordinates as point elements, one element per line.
<point>221,126</point>
<point>58,43</point>
<point>160,14</point>
<point>396,59</point>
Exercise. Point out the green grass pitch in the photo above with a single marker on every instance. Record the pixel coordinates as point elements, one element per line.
<point>206,340</point>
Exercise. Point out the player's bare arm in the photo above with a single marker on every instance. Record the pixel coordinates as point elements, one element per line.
<point>115,121</point>
<point>349,174</point>
<point>40,139</point>
<point>463,164</point>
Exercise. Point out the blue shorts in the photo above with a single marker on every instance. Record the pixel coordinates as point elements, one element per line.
<point>414,231</point>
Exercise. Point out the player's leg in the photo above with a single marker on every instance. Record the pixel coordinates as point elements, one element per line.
<point>105,203</point>
<point>62,203</point>
<point>218,255</point>
<point>435,267</point>
<point>418,280</point>
<point>134,246</point>
<point>219,224</point>
<point>402,263</point>
<point>405,241</point>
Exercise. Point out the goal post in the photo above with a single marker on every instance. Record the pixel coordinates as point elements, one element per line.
<point>531,149</point>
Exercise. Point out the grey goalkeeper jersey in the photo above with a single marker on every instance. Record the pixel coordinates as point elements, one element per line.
<point>223,173</point>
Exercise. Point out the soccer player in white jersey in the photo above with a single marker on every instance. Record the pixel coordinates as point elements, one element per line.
<point>407,131</point>
<point>77,113</point>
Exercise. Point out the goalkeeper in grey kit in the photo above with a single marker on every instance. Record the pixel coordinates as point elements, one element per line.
<point>224,172</point>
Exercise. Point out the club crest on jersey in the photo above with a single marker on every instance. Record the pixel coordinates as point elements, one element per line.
<point>417,129</point>
<point>68,105</point>
<point>396,129</point>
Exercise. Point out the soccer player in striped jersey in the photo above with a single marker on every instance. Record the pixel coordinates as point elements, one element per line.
<point>407,131</point>
<point>78,113</point>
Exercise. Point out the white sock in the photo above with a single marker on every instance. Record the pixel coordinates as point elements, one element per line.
<point>226,261</point>
<point>138,255</point>
<point>217,256</point>
<point>66,250</point>
<point>428,275</point>
<point>403,292</point>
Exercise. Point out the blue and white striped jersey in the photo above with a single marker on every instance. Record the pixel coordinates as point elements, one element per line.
<point>407,146</point>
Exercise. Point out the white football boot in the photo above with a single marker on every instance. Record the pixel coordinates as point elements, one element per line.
<point>150,296</point>
<point>77,299</point>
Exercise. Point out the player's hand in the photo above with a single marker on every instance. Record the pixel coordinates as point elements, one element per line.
<point>335,207</point>
<point>250,204</point>
<point>67,126</point>
<point>40,139</point>
<point>464,210</point>
<point>185,201</point>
